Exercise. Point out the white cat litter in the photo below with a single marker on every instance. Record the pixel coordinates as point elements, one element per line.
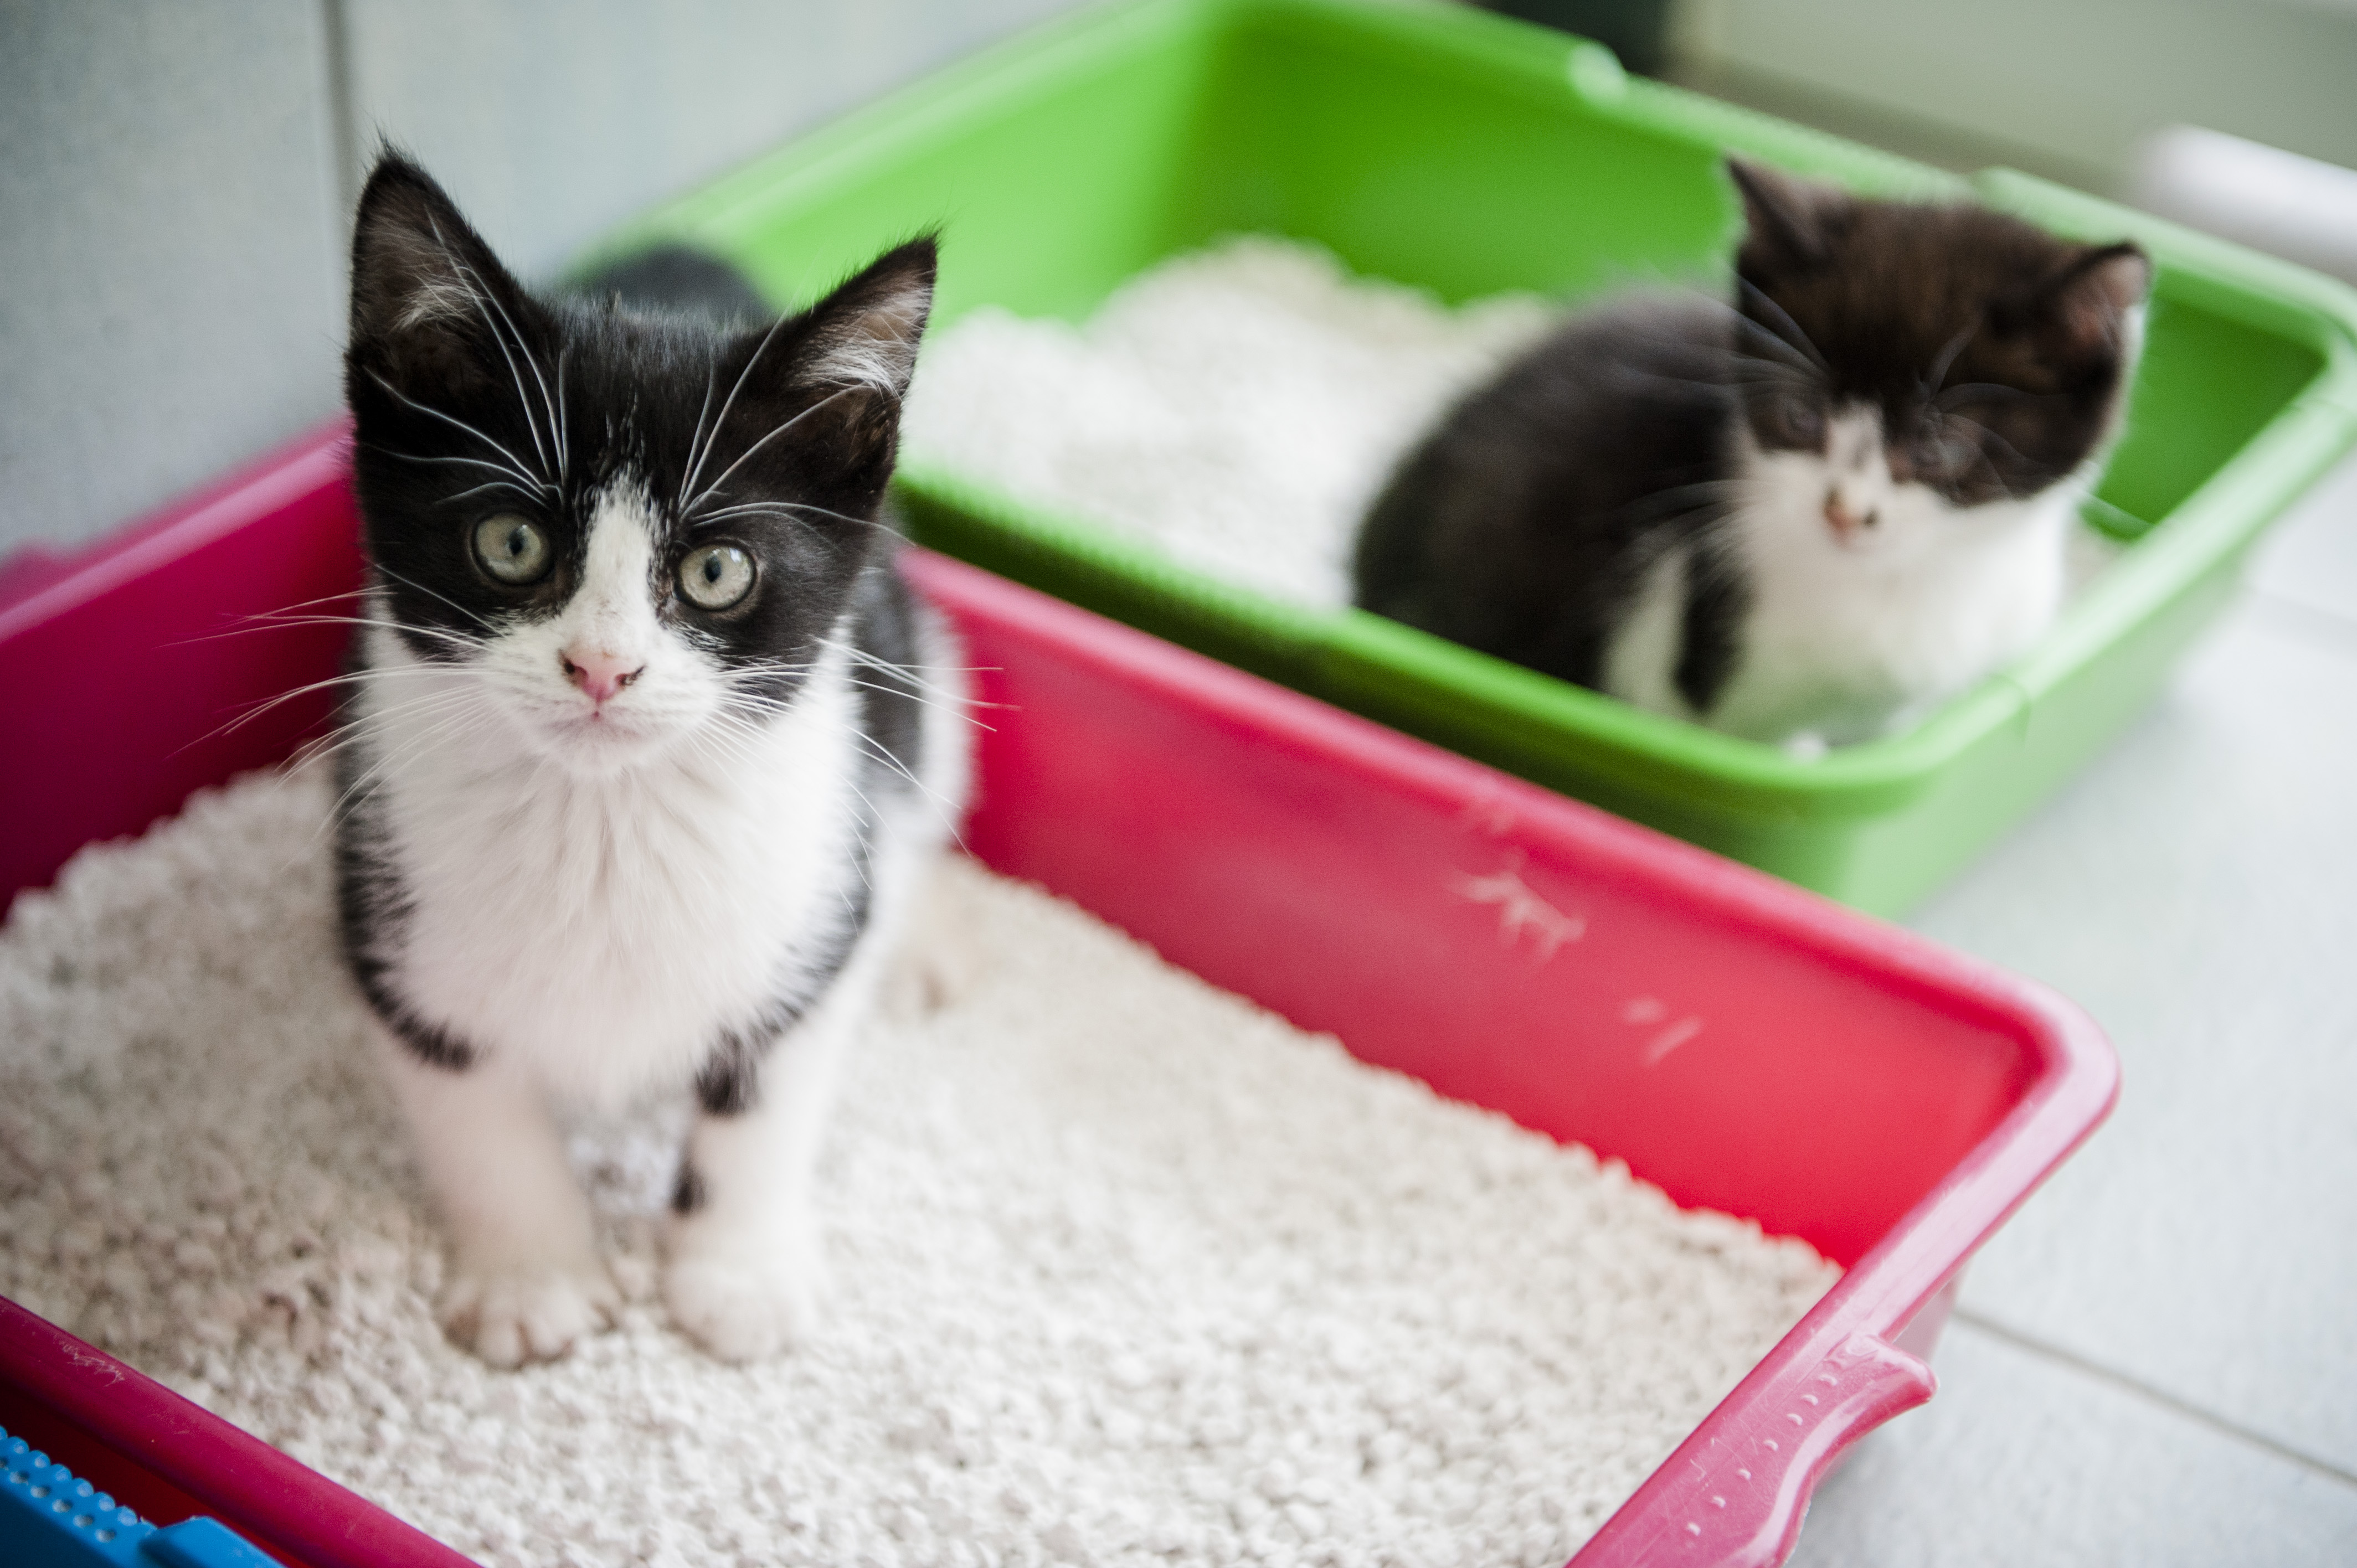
<point>1127,1270</point>
<point>1236,408</point>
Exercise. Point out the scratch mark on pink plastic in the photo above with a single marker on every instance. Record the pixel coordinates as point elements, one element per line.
<point>1520,909</point>
<point>1644,1010</point>
<point>106,1364</point>
<point>1494,817</point>
<point>1670,1039</point>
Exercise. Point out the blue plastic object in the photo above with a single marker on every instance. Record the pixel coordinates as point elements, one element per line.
<point>203,1543</point>
<point>50,1518</point>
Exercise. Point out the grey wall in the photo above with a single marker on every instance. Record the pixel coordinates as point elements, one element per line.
<point>176,175</point>
<point>167,250</point>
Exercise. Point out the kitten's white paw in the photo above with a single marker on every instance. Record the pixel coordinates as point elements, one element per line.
<point>746,1303</point>
<point>933,977</point>
<point>943,954</point>
<point>512,1315</point>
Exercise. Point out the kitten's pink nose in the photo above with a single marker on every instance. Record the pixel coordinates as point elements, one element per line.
<point>598,674</point>
<point>1846,524</point>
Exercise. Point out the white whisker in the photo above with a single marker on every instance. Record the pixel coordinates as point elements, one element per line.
<point>532,495</point>
<point>909,672</point>
<point>541,486</point>
<point>432,412</point>
<point>1947,360</point>
<point>530,363</point>
<point>564,423</point>
<point>764,441</point>
<point>275,620</point>
<point>1800,339</point>
<point>465,275</point>
<point>696,442</point>
<point>760,349</point>
<point>480,621</point>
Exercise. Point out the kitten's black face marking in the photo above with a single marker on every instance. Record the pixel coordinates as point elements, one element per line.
<point>1992,352</point>
<point>491,424</point>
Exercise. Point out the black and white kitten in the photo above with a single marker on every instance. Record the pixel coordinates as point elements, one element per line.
<point>638,774</point>
<point>1805,519</point>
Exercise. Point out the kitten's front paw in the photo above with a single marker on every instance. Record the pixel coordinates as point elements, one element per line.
<point>746,1303</point>
<point>930,978</point>
<point>509,1316</point>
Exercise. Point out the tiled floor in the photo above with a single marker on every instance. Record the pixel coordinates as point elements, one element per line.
<point>2156,1363</point>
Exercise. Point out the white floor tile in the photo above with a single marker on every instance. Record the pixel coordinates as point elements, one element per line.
<point>2021,1463</point>
<point>2197,891</point>
<point>2309,557</point>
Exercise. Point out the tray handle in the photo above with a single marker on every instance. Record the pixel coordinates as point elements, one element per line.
<point>1737,1498</point>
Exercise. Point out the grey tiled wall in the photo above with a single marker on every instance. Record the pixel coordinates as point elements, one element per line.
<point>174,175</point>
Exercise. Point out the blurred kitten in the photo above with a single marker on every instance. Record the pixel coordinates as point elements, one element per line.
<point>1805,519</point>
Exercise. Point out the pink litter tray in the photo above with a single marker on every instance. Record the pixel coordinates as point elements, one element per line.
<point>1747,1045</point>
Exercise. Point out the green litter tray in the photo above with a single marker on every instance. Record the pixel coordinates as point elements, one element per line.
<point>1469,155</point>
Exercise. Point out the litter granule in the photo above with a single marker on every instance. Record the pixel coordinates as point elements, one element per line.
<point>1127,1270</point>
<point>1237,408</point>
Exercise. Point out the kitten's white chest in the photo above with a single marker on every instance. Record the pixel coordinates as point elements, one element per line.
<point>600,932</point>
<point>1840,641</point>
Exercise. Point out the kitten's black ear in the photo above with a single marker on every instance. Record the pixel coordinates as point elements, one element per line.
<point>427,294</point>
<point>2083,301</point>
<point>864,333</point>
<point>1786,219</point>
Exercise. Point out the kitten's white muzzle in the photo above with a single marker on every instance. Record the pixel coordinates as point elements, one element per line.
<point>611,685</point>
<point>596,736</point>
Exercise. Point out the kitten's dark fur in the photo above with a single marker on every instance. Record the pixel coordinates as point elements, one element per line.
<point>676,279</point>
<point>1973,366</point>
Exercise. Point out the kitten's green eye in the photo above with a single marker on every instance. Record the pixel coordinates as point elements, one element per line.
<point>513,550</point>
<point>1803,423</point>
<point>715,576</point>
